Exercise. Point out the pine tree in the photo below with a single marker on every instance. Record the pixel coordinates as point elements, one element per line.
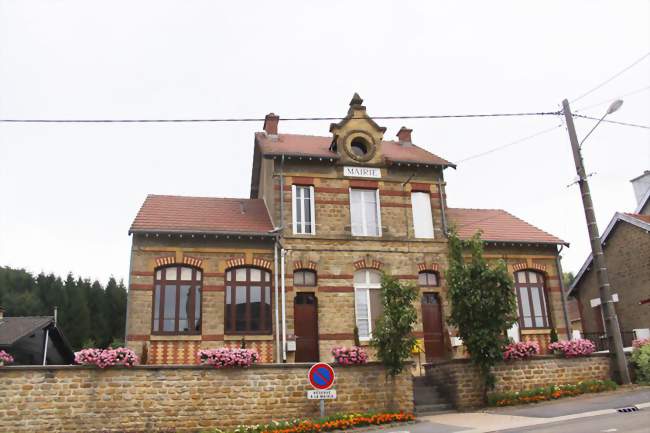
<point>116,308</point>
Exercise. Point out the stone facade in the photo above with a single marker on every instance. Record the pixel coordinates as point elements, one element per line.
<point>182,399</point>
<point>627,254</point>
<point>332,251</point>
<point>460,381</point>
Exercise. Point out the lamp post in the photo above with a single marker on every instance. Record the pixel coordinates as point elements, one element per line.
<point>612,328</point>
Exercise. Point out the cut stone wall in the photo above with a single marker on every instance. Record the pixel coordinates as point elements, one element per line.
<point>75,399</point>
<point>459,381</point>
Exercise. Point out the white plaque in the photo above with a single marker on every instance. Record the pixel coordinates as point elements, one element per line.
<point>372,172</point>
<point>321,394</point>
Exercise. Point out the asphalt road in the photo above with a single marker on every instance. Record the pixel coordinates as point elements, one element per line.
<point>632,422</point>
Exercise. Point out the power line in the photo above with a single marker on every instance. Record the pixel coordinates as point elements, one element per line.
<point>512,143</point>
<point>612,77</point>
<point>635,125</point>
<point>634,92</point>
<point>261,119</point>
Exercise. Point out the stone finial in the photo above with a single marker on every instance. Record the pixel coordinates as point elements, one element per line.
<point>356,100</point>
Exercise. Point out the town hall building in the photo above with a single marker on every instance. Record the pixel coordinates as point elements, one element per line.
<point>295,269</point>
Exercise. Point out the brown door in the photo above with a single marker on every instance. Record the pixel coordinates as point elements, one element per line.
<point>432,326</point>
<point>305,322</point>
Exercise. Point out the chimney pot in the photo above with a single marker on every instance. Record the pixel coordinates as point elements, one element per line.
<point>271,124</point>
<point>404,135</point>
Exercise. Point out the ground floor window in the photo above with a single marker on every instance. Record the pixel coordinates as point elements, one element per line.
<point>367,301</point>
<point>177,300</point>
<point>248,301</point>
<point>531,299</point>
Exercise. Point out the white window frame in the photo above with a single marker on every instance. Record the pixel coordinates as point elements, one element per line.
<point>363,214</point>
<point>422,219</point>
<point>367,286</point>
<point>302,203</point>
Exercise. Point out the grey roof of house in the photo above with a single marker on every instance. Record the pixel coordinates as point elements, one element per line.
<point>13,329</point>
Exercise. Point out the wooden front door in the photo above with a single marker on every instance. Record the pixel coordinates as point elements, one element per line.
<point>305,322</point>
<point>432,326</point>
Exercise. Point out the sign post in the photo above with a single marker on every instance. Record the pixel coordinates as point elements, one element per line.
<point>321,378</point>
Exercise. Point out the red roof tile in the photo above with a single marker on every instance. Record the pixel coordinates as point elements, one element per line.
<point>644,218</point>
<point>167,213</point>
<point>310,145</point>
<point>498,226</point>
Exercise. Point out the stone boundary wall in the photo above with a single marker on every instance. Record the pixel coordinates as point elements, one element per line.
<point>75,399</point>
<point>459,381</point>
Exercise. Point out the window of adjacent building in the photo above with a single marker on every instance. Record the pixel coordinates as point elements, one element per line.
<point>422,217</point>
<point>427,279</point>
<point>248,301</point>
<point>531,298</point>
<point>177,300</point>
<point>367,301</point>
<point>304,278</point>
<point>364,211</point>
<point>303,210</point>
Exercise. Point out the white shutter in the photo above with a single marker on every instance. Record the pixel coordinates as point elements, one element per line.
<point>422,217</point>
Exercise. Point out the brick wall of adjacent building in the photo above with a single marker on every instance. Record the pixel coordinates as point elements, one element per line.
<point>459,381</point>
<point>627,254</point>
<point>77,399</point>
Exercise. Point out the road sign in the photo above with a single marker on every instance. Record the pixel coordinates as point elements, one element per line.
<point>321,376</point>
<point>321,394</point>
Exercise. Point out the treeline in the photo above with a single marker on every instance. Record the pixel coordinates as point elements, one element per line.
<point>89,314</point>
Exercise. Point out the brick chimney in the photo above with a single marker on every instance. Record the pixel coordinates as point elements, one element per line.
<point>271,124</point>
<point>404,136</point>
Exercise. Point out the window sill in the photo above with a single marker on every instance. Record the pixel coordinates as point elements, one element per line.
<point>530,331</point>
<point>248,337</point>
<point>178,337</point>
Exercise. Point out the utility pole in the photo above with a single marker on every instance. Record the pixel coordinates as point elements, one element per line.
<point>611,320</point>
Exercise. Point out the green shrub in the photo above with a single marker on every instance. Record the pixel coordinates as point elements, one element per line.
<point>641,361</point>
<point>549,392</point>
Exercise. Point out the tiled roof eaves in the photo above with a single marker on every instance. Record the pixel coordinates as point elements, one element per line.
<point>405,161</point>
<point>269,154</point>
<point>525,241</point>
<point>201,232</point>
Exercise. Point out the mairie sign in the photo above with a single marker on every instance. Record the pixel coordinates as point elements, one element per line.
<point>361,172</point>
<point>321,376</point>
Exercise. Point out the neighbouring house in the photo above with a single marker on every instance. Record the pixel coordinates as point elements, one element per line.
<point>295,269</point>
<point>31,340</point>
<point>626,246</point>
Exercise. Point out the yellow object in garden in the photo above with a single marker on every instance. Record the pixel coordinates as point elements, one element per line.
<point>418,347</point>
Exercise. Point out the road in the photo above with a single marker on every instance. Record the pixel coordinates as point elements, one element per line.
<point>632,422</point>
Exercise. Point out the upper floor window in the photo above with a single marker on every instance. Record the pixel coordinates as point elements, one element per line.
<point>177,300</point>
<point>365,213</point>
<point>248,301</point>
<point>531,299</point>
<point>427,279</point>
<point>422,217</point>
<point>303,210</point>
<point>367,301</point>
<point>304,278</point>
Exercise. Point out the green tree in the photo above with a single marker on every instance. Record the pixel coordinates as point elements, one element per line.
<point>75,315</point>
<point>567,278</point>
<point>392,335</point>
<point>483,304</point>
<point>115,308</point>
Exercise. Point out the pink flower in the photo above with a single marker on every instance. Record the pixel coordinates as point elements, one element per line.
<point>521,350</point>
<point>637,344</point>
<point>5,358</point>
<point>349,355</point>
<point>107,357</point>
<point>228,357</point>
<point>573,348</point>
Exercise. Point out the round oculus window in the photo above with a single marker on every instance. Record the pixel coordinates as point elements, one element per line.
<point>359,147</point>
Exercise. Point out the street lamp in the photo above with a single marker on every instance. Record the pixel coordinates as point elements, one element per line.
<point>611,320</point>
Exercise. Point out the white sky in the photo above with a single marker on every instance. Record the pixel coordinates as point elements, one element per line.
<point>68,192</point>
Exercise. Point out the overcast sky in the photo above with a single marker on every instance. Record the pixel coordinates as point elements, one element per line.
<point>68,192</point>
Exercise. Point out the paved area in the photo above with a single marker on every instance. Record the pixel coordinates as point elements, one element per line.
<point>587,413</point>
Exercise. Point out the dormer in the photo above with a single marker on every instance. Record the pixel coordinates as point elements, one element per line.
<point>357,138</point>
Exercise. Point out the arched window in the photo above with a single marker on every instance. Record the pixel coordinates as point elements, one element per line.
<point>531,299</point>
<point>367,301</point>
<point>177,300</point>
<point>428,278</point>
<point>304,277</point>
<point>248,301</point>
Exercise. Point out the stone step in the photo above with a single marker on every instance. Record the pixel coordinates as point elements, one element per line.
<point>433,409</point>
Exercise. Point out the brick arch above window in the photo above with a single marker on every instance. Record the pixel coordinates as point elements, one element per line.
<point>165,260</point>
<point>299,265</point>
<point>368,263</point>
<point>257,262</point>
<point>433,267</point>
